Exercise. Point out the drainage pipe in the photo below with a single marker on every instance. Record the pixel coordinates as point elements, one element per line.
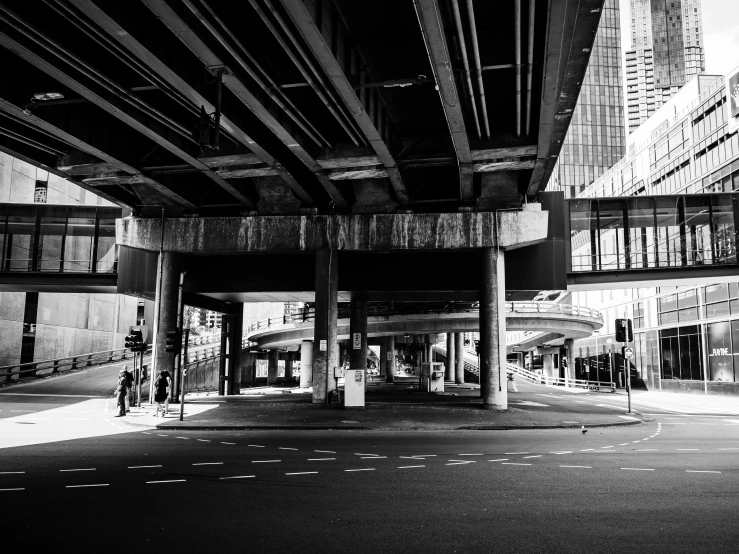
<point>466,64</point>
<point>478,68</point>
<point>530,65</point>
<point>518,68</point>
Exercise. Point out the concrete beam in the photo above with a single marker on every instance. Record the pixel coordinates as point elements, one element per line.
<point>357,232</point>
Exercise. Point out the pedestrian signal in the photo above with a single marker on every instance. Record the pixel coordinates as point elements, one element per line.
<point>624,331</point>
<point>174,341</point>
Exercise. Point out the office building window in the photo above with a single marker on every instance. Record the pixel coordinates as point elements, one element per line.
<point>680,352</point>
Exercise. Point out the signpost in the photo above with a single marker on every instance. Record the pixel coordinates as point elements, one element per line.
<point>625,334</point>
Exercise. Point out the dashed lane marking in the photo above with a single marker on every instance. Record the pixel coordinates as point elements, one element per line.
<point>203,440</point>
<point>160,435</point>
<point>255,445</point>
<point>587,450</point>
<point>700,471</point>
<point>373,457</point>
<point>80,469</point>
<point>514,464</point>
<point>607,447</point>
<point>536,456</point>
<point>362,469</point>
<point>624,444</point>
<point>511,453</point>
<point>83,486</point>
<point>285,448</point>
<point>319,451</point>
<point>408,467</point>
<point>361,454</point>
<point>319,459</point>
<point>184,438</point>
<point>301,473</point>
<point>264,461</point>
<point>480,454</point>
<point>583,467</point>
<point>459,462</point>
<point>499,460</point>
<point>169,481</point>
<point>208,464</point>
<point>562,452</point>
<point>228,443</point>
<point>237,477</point>
<point>636,469</point>
<point>10,472</point>
<point>7,490</point>
<point>142,467</point>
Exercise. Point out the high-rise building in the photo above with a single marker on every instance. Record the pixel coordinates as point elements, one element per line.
<point>595,139</point>
<point>666,52</point>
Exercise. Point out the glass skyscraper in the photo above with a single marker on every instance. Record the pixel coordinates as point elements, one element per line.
<point>666,52</point>
<point>595,139</point>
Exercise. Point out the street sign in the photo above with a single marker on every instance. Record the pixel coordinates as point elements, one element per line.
<point>322,346</point>
<point>356,341</point>
<point>628,353</point>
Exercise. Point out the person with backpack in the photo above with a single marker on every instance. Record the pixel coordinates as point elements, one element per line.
<point>129,384</point>
<point>121,392</point>
<point>161,395</point>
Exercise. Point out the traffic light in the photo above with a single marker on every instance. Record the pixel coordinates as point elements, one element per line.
<point>624,331</point>
<point>174,341</point>
<point>135,341</point>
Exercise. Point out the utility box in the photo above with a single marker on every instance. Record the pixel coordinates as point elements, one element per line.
<point>354,389</point>
<point>432,377</point>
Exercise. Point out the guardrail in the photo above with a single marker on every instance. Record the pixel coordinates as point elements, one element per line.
<point>560,381</point>
<point>309,314</point>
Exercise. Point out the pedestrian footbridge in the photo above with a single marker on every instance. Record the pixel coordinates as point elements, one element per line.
<point>558,321</point>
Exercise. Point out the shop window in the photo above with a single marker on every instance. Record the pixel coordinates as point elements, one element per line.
<point>680,350</point>
<point>720,351</point>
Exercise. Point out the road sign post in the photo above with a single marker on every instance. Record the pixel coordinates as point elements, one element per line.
<point>625,334</point>
<point>183,373</point>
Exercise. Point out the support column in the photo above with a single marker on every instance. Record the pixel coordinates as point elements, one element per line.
<point>547,362</point>
<point>236,332</point>
<point>383,360</point>
<point>493,386</point>
<point>272,358</point>
<point>459,358</point>
<point>390,368</point>
<point>167,299</point>
<point>570,375</point>
<point>288,367</point>
<point>306,364</point>
<point>450,358</point>
<point>358,325</point>
<point>325,352</point>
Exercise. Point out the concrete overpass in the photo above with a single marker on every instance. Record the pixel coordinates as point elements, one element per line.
<point>308,148</point>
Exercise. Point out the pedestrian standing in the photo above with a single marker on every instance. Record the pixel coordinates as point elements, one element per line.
<point>162,391</point>
<point>121,392</point>
<point>129,384</point>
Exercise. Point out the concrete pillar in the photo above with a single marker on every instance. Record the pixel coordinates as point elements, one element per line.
<point>521,359</point>
<point>235,337</point>
<point>167,299</point>
<point>383,360</point>
<point>570,346</point>
<point>272,358</point>
<point>325,352</point>
<point>306,364</point>
<point>548,365</point>
<point>450,358</point>
<point>493,386</point>
<point>358,326</point>
<point>289,367</point>
<point>390,349</point>
<point>459,359</point>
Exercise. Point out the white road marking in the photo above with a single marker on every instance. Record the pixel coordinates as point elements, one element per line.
<point>141,467</point>
<point>460,462</point>
<point>184,438</point>
<point>255,445</point>
<point>301,473</point>
<point>321,451</point>
<point>536,456</point>
<point>728,448</point>
<point>285,448</point>
<point>513,464</point>
<point>629,417</point>
<point>363,469</point>
<point>360,454</point>
<point>587,450</point>
<point>562,452</point>
<point>160,435</point>
<point>636,469</point>
<point>606,446</point>
<point>499,460</point>
<point>82,486</point>
<point>471,454</point>
<point>5,490</point>
<point>264,461</point>
<point>373,457</point>
<point>25,411</point>
<point>685,449</point>
<point>203,440</point>
<point>700,471</point>
<point>510,453</point>
<point>624,444</point>
<point>228,443</point>
<point>10,472</point>
<point>408,467</point>
<point>170,481</point>
<point>319,459</point>
<point>208,464</point>
<point>53,395</point>
<point>82,469</point>
<point>583,467</point>
<point>238,477</point>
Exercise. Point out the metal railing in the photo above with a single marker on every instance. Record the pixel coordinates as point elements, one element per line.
<point>559,381</point>
<point>309,314</point>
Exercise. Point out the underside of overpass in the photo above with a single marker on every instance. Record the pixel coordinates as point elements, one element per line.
<point>368,151</point>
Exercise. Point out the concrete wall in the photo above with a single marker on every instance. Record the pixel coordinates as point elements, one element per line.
<point>12,305</point>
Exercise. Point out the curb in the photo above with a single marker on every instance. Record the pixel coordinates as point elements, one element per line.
<point>571,426</point>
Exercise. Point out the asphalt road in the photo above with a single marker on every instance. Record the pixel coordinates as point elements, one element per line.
<point>667,486</point>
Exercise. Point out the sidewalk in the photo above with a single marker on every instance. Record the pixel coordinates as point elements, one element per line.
<point>388,407</point>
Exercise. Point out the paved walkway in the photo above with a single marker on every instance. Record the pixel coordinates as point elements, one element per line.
<point>398,407</point>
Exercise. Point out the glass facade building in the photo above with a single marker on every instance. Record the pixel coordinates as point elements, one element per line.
<point>595,139</point>
<point>686,337</point>
<point>666,52</point>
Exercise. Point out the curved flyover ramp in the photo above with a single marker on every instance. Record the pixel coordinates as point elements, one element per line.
<point>557,321</point>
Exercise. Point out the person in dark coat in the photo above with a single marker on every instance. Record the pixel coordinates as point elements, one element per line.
<point>121,392</point>
<point>161,394</point>
<point>129,385</point>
